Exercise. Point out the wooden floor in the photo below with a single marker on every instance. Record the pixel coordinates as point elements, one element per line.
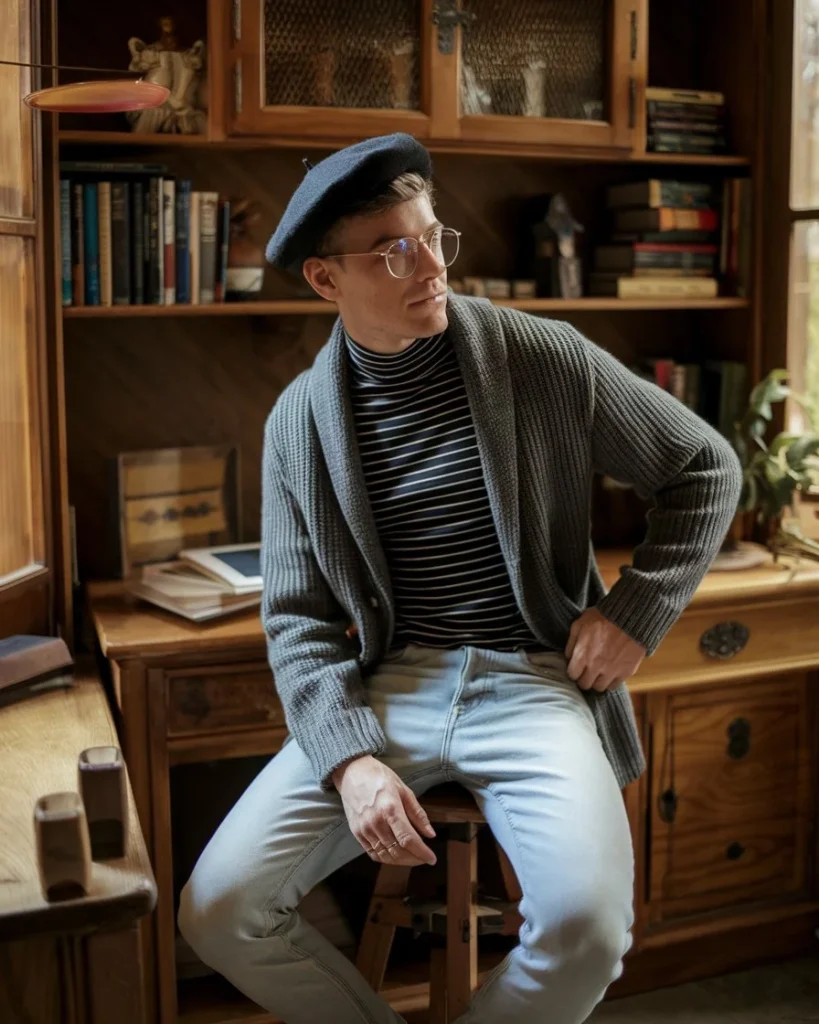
<point>786,993</point>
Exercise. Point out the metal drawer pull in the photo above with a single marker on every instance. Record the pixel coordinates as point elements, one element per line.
<point>194,702</point>
<point>724,640</point>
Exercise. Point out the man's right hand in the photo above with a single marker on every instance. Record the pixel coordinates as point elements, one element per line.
<point>383,813</point>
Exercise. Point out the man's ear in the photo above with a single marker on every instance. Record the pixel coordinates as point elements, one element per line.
<point>321,277</point>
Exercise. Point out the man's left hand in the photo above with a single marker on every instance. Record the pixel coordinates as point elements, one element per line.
<point>600,654</point>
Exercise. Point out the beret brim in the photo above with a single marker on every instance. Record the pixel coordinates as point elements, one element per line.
<point>333,185</point>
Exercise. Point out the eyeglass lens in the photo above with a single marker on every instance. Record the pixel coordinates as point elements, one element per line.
<point>402,256</point>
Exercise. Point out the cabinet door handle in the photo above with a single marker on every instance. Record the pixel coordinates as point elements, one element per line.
<point>633,35</point>
<point>724,640</point>
<point>735,851</point>
<point>447,17</point>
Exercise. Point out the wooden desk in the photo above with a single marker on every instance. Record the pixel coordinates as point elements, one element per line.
<point>192,692</point>
<point>78,961</point>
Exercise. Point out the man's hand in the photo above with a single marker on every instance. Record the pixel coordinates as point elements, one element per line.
<point>383,813</point>
<point>600,654</point>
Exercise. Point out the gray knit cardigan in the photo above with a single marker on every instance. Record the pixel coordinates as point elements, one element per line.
<point>550,409</point>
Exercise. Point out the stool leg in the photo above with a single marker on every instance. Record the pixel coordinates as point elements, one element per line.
<point>437,987</point>
<point>461,924</point>
<point>376,939</point>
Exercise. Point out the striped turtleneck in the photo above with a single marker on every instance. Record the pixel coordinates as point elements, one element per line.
<point>426,488</point>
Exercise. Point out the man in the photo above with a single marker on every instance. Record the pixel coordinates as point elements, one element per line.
<point>434,611</point>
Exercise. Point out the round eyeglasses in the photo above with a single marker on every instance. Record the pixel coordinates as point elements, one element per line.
<point>401,256</point>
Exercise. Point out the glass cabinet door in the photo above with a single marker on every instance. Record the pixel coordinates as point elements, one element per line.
<point>551,71</point>
<point>330,68</point>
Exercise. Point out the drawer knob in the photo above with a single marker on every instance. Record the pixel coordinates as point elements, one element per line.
<point>739,738</point>
<point>735,851</point>
<point>724,640</point>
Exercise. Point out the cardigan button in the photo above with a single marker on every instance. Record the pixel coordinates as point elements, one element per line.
<point>373,601</point>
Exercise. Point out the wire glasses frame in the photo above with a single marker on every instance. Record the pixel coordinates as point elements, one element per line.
<point>401,256</point>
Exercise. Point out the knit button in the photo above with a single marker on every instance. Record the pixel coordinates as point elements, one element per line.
<point>373,600</point>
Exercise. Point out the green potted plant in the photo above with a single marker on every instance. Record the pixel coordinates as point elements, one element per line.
<point>774,473</point>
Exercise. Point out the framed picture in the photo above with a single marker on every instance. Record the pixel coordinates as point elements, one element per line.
<point>169,499</point>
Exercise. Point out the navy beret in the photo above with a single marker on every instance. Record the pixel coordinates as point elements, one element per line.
<point>333,185</point>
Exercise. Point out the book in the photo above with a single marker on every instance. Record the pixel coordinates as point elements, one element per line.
<point>121,241</point>
<point>105,257</point>
<point>77,245</point>
<point>656,193</point>
<point>33,664</point>
<point>684,96</point>
<point>193,247</point>
<point>208,210</point>
<point>627,287</point>
<point>182,232</point>
<point>236,566</point>
<point>155,277</point>
<point>181,587</point>
<point>92,243</point>
<point>654,254</point>
<point>666,218</point>
<point>138,243</point>
<point>711,112</point>
<point>65,240</point>
<point>168,241</point>
<point>668,142</point>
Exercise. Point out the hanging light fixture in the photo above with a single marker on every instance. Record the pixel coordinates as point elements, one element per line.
<point>107,96</point>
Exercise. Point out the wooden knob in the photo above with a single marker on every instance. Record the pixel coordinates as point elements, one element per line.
<point>63,847</point>
<point>101,775</point>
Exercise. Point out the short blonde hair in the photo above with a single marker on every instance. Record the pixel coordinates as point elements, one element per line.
<point>402,189</point>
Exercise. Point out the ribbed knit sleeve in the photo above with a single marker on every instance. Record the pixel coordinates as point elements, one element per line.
<point>644,436</point>
<point>316,671</point>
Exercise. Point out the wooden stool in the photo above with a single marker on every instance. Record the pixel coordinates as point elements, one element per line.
<point>453,976</point>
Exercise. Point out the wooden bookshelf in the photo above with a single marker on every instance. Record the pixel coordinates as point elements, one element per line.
<point>299,307</point>
<point>93,138</point>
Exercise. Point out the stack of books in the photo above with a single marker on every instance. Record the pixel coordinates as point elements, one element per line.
<point>685,121</point>
<point>715,389</point>
<point>132,234</point>
<point>203,583</point>
<point>665,241</point>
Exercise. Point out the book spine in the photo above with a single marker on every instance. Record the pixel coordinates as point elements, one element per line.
<point>671,287</point>
<point>688,220</point>
<point>169,239</point>
<point>92,243</point>
<point>207,246</point>
<point>683,144</point>
<point>182,236</point>
<point>713,113</point>
<point>104,227</point>
<point>77,246</point>
<point>684,96</point>
<point>65,240</point>
<point>223,248</point>
<point>154,290</point>
<point>121,241</point>
<point>138,243</point>
<point>193,247</point>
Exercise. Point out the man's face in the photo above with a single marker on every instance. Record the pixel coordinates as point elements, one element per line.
<point>377,308</point>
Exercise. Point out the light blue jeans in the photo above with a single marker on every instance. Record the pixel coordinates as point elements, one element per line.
<point>517,732</point>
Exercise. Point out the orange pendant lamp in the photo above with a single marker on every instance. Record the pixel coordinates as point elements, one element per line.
<point>107,96</point>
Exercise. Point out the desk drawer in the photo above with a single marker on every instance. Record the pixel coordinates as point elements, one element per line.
<point>222,698</point>
<point>740,639</point>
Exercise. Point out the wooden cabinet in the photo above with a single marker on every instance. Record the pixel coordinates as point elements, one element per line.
<point>562,72</point>
<point>730,797</point>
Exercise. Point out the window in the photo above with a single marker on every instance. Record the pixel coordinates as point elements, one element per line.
<point>803,206</point>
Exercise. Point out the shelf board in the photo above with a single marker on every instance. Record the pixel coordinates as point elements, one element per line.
<point>699,159</point>
<point>300,307</point>
<point>576,154</point>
